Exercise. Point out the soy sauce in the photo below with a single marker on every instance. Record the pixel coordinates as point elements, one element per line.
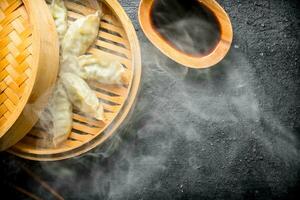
<point>187,25</point>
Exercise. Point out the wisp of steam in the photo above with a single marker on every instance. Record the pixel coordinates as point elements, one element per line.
<point>206,124</point>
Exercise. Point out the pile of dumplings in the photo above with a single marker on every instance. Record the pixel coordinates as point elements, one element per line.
<point>76,68</point>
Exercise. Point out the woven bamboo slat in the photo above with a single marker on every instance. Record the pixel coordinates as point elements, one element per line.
<point>28,42</point>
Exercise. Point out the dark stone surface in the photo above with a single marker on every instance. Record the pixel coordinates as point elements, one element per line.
<point>229,132</point>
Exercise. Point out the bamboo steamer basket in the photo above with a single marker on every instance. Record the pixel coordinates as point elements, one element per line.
<point>28,42</point>
<point>117,40</point>
<point>191,61</point>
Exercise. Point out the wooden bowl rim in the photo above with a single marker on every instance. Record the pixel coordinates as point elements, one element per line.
<point>192,61</point>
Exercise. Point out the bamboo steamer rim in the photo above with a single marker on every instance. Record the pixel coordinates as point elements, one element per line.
<point>24,116</point>
<point>189,60</point>
<point>110,129</point>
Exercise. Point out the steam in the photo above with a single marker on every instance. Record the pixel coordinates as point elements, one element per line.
<point>202,122</point>
<point>207,124</point>
<point>169,18</point>
<point>184,41</point>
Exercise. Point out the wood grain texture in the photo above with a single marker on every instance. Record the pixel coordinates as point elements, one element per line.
<point>191,61</point>
<point>30,42</point>
<point>117,40</point>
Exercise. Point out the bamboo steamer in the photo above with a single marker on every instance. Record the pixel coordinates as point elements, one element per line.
<point>191,61</point>
<point>28,42</point>
<point>117,40</point>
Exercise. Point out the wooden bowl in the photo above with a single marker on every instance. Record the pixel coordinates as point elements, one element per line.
<point>29,50</point>
<point>192,61</point>
<point>117,40</point>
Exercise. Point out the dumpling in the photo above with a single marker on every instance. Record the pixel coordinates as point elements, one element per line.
<point>90,67</point>
<point>56,120</point>
<point>81,35</point>
<point>59,13</point>
<point>82,96</point>
<point>101,70</point>
<point>70,64</point>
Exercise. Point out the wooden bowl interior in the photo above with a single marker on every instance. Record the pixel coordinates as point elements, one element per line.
<point>192,61</point>
<point>117,40</point>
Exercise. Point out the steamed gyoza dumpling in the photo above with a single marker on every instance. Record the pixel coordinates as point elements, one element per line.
<point>82,96</point>
<point>70,64</point>
<point>101,70</point>
<point>56,120</point>
<point>59,13</point>
<point>81,35</point>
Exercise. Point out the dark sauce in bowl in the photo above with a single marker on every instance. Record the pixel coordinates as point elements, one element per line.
<point>187,25</point>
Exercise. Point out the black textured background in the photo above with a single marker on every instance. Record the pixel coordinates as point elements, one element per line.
<point>230,132</point>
